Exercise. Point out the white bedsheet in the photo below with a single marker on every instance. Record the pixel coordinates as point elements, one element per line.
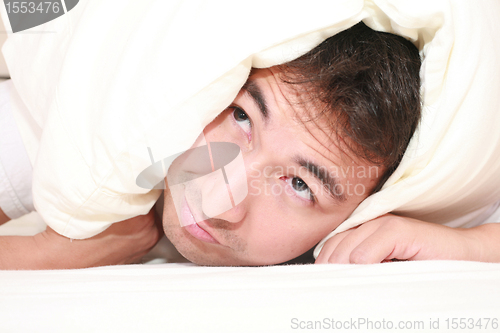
<point>187,298</point>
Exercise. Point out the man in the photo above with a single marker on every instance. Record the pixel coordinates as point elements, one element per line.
<point>318,135</point>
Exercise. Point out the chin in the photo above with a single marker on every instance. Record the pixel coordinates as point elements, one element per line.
<point>205,254</point>
<point>206,258</point>
<point>197,252</point>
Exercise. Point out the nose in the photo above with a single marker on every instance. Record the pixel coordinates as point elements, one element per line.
<point>225,189</point>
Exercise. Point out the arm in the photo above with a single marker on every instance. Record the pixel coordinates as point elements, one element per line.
<point>122,243</point>
<point>3,218</point>
<point>394,237</point>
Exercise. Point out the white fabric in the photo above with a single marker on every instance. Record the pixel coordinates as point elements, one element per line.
<point>120,76</point>
<point>187,298</point>
<point>15,166</point>
<point>451,168</point>
<point>4,71</point>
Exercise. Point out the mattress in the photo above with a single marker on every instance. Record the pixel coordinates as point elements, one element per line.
<point>400,296</point>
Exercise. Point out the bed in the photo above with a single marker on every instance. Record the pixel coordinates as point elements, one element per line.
<point>438,296</point>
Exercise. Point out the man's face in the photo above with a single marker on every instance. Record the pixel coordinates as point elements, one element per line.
<point>300,185</point>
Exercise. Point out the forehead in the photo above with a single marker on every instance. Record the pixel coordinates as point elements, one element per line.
<point>294,107</point>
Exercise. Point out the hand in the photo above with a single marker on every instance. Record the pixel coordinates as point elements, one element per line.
<point>122,243</point>
<point>393,237</point>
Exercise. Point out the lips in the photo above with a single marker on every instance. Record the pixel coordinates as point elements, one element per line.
<point>190,225</point>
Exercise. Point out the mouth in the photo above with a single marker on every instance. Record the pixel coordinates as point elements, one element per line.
<point>193,228</point>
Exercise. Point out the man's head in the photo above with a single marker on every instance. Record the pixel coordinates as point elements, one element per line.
<point>317,135</point>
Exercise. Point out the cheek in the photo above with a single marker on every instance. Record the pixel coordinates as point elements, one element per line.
<point>278,236</point>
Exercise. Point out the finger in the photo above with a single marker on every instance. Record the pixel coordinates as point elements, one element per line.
<point>388,242</point>
<point>341,254</point>
<point>329,247</point>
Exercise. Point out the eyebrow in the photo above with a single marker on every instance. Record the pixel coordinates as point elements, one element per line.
<point>329,182</point>
<point>258,97</point>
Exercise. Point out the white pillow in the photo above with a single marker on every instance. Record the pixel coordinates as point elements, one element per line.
<point>4,72</point>
<point>115,77</point>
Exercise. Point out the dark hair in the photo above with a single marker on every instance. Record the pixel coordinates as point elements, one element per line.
<point>367,84</point>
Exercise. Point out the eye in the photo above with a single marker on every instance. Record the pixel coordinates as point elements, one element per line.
<point>300,187</point>
<point>241,118</point>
